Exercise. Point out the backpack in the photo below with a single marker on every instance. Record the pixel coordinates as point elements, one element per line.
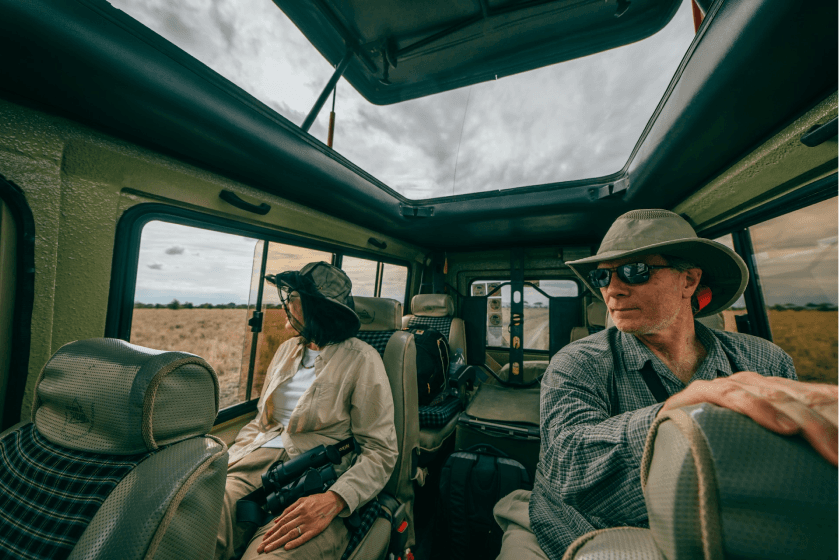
<point>471,483</point>
<point>432,362</point>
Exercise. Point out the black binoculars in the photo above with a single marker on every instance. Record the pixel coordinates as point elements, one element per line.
<point>310,473</point>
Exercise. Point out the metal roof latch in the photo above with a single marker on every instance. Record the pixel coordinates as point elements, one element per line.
<point>416,211</point>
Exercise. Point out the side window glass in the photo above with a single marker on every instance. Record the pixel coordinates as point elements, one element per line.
<point>275,329</point>
<point>394,282</point>
<point>192,295</point>
<point>738,307</point>
<point>362,272</point>
<point>536,306</point>
<point>796,258</point>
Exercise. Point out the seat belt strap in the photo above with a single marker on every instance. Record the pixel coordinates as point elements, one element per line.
<point>653,382</point>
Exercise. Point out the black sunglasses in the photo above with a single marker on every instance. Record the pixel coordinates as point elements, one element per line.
<point>632,273</point>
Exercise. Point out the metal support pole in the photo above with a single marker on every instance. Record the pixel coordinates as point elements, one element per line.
<point>755,304</point>
<point>330,85</point>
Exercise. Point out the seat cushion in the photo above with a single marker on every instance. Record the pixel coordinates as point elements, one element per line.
<point>50,494</point>
<point>431,439</point>
<point>443,325</point>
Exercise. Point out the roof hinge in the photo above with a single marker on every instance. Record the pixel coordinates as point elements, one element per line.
<point>416,211</point>
<point>618,188</point>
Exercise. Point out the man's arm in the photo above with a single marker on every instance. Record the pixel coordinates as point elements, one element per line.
<point>591,461</point>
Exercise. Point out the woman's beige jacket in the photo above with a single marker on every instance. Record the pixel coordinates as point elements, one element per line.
<point>350,396</point>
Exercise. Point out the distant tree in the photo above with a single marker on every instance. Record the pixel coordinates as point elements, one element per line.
<point>174,304</point>
<point>537,304</point>
<point>158,306</point>
<point>187,305</point>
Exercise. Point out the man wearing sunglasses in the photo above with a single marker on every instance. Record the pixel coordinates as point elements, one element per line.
<point>600,395</point>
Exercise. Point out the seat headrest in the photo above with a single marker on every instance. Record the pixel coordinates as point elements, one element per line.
<point>104,395</point>
<point>596,313</point>
<point>432,305</point>
<point>378,314</point>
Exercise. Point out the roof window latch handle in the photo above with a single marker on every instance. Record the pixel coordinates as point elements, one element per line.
<point>416,211</point>
<point>232,198</point>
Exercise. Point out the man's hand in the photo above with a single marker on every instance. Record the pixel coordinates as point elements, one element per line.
<point>312,514</point>
<point>781,405</point>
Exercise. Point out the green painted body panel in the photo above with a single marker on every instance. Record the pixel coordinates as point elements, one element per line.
<point>79,182</point>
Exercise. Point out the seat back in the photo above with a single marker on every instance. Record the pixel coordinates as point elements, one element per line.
<point>122,465</point>
<point>437,311</point>
<point>718,485</point>
<point>381,322</point>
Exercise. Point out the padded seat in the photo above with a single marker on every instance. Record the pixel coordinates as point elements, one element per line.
<point>437,311</point>
<point>596,313</point>
<point>115,458</point>
<point>718,485</point>
<point>381,322</point>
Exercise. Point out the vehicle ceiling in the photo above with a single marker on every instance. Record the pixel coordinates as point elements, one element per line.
<point>755,66</point>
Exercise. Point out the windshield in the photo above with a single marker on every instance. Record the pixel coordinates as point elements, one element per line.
<point>574,120</point>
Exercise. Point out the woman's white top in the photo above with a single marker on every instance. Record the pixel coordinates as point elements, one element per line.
<point>286,395</point>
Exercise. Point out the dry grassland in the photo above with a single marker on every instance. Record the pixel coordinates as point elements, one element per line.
<point>218,336</point>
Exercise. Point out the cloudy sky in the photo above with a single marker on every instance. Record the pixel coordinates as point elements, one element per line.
<point>574,120</point>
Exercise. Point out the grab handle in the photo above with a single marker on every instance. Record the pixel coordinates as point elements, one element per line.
<point>231,197</point>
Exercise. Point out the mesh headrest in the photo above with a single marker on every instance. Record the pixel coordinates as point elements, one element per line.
<point>105,395</point>
<point>432,305</point>
<point>378,314</point>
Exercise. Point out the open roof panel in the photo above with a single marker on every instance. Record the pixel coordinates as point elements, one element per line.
<point>405,50</point>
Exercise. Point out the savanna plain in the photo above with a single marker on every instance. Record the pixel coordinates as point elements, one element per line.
<point>222,337</point>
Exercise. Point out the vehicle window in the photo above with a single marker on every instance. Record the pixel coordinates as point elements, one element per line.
<point>536,329</point>
<point>192,295</point>
<point>198,291</point>
<point>394,282</point>
<point>275,329</point>
<point>739,306</point>
<point>796,258</point>
<point>362,272</point>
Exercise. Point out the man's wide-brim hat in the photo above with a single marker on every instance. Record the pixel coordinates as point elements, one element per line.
<point>650,232</point>
<point>323,281</point>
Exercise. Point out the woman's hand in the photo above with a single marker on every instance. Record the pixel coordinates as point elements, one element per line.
<point>302,521</point>
<point>781,405</point>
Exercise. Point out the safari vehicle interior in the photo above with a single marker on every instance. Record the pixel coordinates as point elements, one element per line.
<point>145,191</point>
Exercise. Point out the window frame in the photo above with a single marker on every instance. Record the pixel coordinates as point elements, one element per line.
<point>499,278</point>
<point>126,258</point>
<point>739,229</point>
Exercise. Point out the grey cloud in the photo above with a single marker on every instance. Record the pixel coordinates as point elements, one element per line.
<point>155,266</point>
<point>176,250</point>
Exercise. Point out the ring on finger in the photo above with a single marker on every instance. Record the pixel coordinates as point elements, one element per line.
<point>299,532</point>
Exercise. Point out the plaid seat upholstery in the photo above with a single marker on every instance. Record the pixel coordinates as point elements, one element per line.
<point>443,325</point>
<point>376,339</point>
<point>49,494</point>
<point>437,415</point>
<point>368,513</point>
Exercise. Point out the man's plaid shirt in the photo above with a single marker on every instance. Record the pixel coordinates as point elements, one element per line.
<point>596,411</point>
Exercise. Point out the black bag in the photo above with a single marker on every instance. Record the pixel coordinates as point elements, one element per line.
<point>432,362</point>
<point>471,483</point>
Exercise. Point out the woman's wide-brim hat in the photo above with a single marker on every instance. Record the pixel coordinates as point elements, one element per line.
<point>324,281</point>
<point>651,232</point>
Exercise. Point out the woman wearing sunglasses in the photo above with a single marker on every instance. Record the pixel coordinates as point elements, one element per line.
<point>601,394</point>
<point>322,387</point>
